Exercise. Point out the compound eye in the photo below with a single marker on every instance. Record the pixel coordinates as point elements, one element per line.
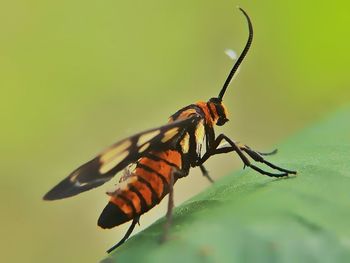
<point>221,121</point>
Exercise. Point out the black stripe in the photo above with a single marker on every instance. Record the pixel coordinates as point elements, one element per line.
<point>193,144</point>
<point>210,111</point>
<point>157,158</point>
<point>151,170</point>
<point>155,199</point>
<point>210,136</point>
<point>129,202</point>
<point>144,206</point>
<point>111,216</point>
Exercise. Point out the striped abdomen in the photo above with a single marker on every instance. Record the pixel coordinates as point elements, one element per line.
<point>145,188</point>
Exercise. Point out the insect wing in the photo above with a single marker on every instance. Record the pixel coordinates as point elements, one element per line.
<point>115,158</point>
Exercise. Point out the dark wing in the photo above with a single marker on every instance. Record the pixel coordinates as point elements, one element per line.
<point>103,167</point>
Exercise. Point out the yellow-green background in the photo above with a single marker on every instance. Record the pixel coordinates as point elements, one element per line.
<point>76,76</point>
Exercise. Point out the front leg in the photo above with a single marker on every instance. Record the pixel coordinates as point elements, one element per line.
<point>234,147</point>
<point>256,156</point>
<point>215,150</point>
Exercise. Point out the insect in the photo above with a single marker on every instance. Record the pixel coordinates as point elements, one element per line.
<point>160,157</point>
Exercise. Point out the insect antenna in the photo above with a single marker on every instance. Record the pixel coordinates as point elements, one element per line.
<point>241,57</point>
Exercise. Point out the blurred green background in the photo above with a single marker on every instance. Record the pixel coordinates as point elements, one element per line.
<point>76,76</point>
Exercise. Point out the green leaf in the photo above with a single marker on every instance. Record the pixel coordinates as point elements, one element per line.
<point>248,217</point>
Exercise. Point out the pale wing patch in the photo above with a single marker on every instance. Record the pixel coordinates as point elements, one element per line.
<point>112,152</point>
<point>169,134</point>
<point>147,137</point>
<point>112,162</point>
<point>144,147</point>
<point>78,184</point>
<point>200,137</point>
<point>185,143</point>
<point>74,176</point>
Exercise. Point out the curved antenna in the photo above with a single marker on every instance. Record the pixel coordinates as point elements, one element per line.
<point>241,57</point>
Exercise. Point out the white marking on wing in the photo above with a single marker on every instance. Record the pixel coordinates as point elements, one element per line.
<point>169,134</point>
<point>147,136</point>
<point>200,137</point>
<point>113,162</point>
<point>185,143</point>
<point>144,147</point>
<point>112,152</point>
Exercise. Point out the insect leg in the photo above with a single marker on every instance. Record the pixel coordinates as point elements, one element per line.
<point>205,173</point>
<point>227,149</point>
<point>268,153</point>
<point>235,147</point>
<point>169,214</point>
<point>212,151</point>
<point>127,234</point>
<point>242,146</point>
<point>256,156</point>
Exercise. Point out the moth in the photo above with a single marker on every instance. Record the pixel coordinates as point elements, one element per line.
<point>160,157</point>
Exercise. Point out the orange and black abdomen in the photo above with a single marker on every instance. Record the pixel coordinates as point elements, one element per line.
<point>146,187</point>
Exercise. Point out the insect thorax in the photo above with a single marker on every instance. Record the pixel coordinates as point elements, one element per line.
<point>195,140</point>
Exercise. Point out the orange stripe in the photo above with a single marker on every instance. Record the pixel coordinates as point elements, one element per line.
<point>153,179</point>
<point>144,191</point>
<point>204,107</point>
<point>134,199</point>
<point>185,114</point>
<point>171,156</point>
<point>161,167</point>
<point>122,206</point>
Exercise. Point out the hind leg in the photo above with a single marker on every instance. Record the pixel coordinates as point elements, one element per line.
<point>169,214</point>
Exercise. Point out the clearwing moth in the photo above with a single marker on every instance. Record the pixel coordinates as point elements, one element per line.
<point>161,156</point>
